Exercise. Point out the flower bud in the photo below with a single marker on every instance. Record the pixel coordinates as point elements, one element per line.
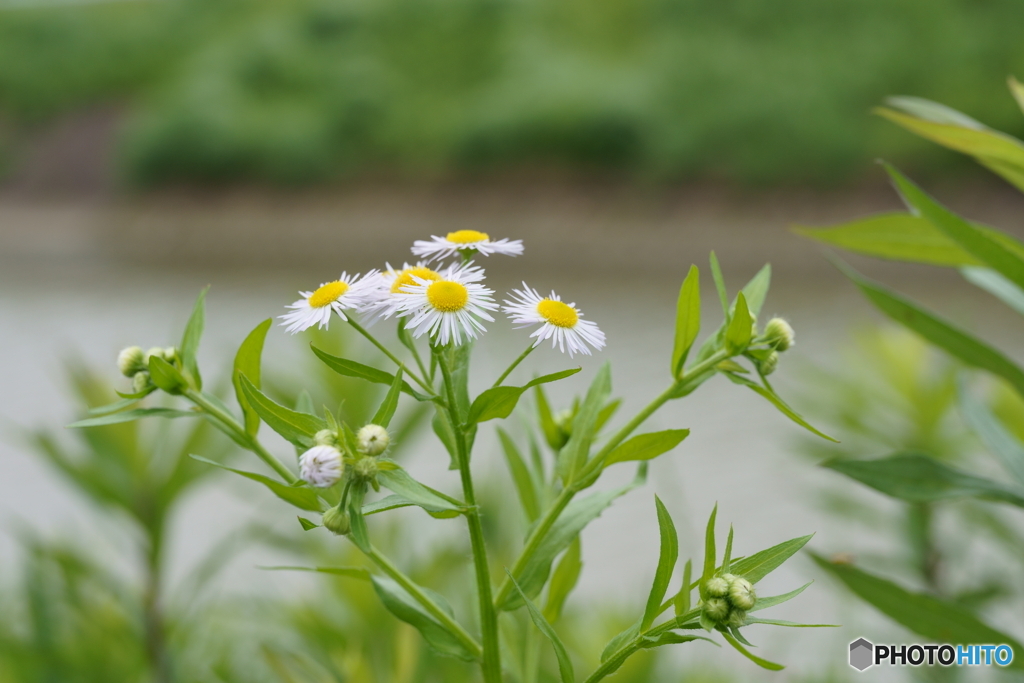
<point>372,439</point>
<point>717,587</point>
<point>141,382</point>
<point>741,594</point>
<point>321,466</point>
<point>365,468</point>
<point>780,334</point>
<point>337,521</point>
<point>769,364</point>
<point>717,609</point>
<point>326,437</point>
<point>131,360</point>
<point>736,618</point>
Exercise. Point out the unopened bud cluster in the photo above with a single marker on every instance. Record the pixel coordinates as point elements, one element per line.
<point>133,362</point>
<point>324,464</point>
<point>779,336</point>
<point>729,598</point>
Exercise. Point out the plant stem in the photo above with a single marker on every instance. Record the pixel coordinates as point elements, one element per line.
<point>250,442</point>
<point>693,376</point>
<point>516,362</point>
<point>428,604</point>
<point>154,627</point>
<point>491,664</point>
<point>616,659</point>
<point>394,359</point>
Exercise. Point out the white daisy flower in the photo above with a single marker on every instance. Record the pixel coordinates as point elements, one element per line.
<point>560,322</point>
<point>321,466</point>
<point>331,297</point>
<point>447,307</point>
<point>465,240</point>
<point>379,299</point>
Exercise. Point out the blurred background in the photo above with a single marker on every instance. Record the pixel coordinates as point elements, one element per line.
<point>148,148</point>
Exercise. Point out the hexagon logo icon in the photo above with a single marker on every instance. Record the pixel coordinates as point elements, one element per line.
<point>861,654</point>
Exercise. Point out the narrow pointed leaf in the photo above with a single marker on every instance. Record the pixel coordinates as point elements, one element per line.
<point>301,497</point>
<point>166,376</point>
<point>573,456</point>
<point>563,580</point>
<point>499,402</point>
<point>350,572</point>
<point>561,654</point>
<point>681,602</point>
<point>350,368</point>
<point>759,565</point>
<point>552,434</point>
<point>298,428</point>
<point>190,339</point>
<point>739,331</point>
<point>687,320</point>
<point>994,435</point>
<point>763,663</point>
<point>779,404</point>
<point>404,485</point>
<point>521,477</point>
<point>666,565</point>
<point>996,285</point>
<point>710,553</point>
<point>398,601</point>
<point>132,415</point>
<point>756,291</point>
<point>390,405</point>
<point>116,406</point>
<point>716,274</point>
<point>647,446</point>
<point>727,558</point>
<point>765,603</point>
<point>247,362</point>
<point>791,624</point>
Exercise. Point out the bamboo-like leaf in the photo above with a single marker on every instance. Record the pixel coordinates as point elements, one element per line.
<point>499,402</point>
<point>521,477</point>
<point>190,339</point>
<point>763,663</point>
<point>358,532</point>
<point>687,320</point>
<point>247,362</point>
<point>576,450</point>
<point>756,291</point>
<point>552,434</point>
<point>710,553</point>
<point>791,624</point>
<point>727,557</point>
<point>350,368</point>
<point>666,565</point>
<point>716,274</point>
<point>759,565</point>
<point>398,601</point>
<point>404,485</point>
<point>298,428</point>
<point>681,601</point>
<point>996,285</point>
<point>360,573</point>
<point>561,654</point>
<point>918,478</point>
<point>647,446</point>
<point>765,603</point>
<point>994,435</point>
<point>301,497</point>
<point>740,328</point>
<point>132,415</point>
<point>390,404</point>
<point>563,580</point>
<point>781,405</point>
<point>928,616</point>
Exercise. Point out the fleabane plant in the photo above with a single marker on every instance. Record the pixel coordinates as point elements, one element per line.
<point>439,311</point>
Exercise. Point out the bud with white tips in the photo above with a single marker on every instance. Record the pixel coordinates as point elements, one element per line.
<point>326,437</point>
<point>736,618</point>
<point>779,334</point>
<point>131,360</point>
<point>741,594</point>
<point>337,521</point>
<point>717,609</point>
<point>717,587</point>
<point>366,468</point>
<point>372,439</point>
<point>770,363</point>
<point>141,382</point>
<point>321,466</point>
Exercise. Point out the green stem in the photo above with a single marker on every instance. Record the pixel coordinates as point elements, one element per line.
<point>516,362</point>
<point>617,658</point>
<point>692,377</point>
<point>251,443</point>
<point>428,604</point>
<point>491,664</point>
<point>154,626</point>
<point>394,359</point>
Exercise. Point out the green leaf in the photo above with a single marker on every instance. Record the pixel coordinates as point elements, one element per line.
<point>564,662</point>
<point>666,565</point>
<point>359,534</point>
<point>937,331</point>
<point>117,406</point>
<point>247,362</point>
<point>190,339</point>
<point>390,405</point>
<point>350,572</point>
<point>763,663</point>
<point>166,376</point>
<point>926,615</point>
<point>619,641</point>
<point>716,274</point>
<point>564,579</point>
<point>576,450</point>
<point>307,525</point>
<point>781,405</point>
<point>404,485</point>
<point>131,415</point>
<point>978,243</point>
<point>765,603</point>
<point>759,565</point>
<point>298,428</point>
<point>740,329</point>
<point>727,558</point>
<point>993,434</point>
<point>687,320</point>
<point>710,553</point>
<point>398,601</point>
<point>521,477</point>
<point>499,402</point>
<point>933,111</point>
<point>647,446</point>
<point>576,516</point>
<point>350,368</point>
<point>681,601</point>
<point>791,624</point>
<point>996,285</point>
<point>919,478</point>
<point>552,434</point>
<point>301,497</point>
<point>756,291</point>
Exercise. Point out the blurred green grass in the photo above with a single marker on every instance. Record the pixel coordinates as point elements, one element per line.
<point>304,91</point>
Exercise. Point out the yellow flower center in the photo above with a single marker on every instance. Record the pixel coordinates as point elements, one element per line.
<point>558,313</point>
<point>447,296</point>
<point>405,277</point>
<point>328,294</point>
<point>467,236</point>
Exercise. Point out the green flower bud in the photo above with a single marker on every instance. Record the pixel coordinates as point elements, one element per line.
<point>141,382</point>
<point>741,594</point>
<point>769,364</point>
<point>717,609</point>
<point>326,437</point>
<point>337,521</point>
<point>717,587</point>
<point>780,334</point>
<point>736,618</point>
<point>563,420</point>
<point>365,468</point>
<point>372,439</point>
<point>131,360</point>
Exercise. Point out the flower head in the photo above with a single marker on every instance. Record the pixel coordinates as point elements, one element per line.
<point>462,241</point>
<point>560,322</point>
<point>331,297</point>
<point>382,288</point>
<point>448,307</point>
<point>321,466</point>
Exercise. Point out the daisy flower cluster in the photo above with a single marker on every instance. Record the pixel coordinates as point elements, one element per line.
<point>450,303</point>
